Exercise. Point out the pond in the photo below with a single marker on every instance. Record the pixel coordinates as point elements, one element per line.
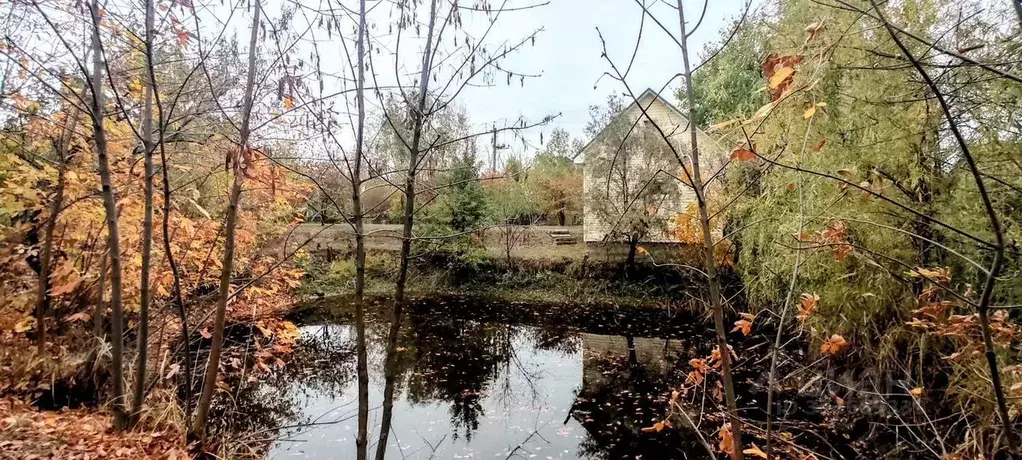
<point>482,379</point>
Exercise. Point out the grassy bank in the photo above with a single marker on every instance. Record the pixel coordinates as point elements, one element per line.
<point>567,280</point>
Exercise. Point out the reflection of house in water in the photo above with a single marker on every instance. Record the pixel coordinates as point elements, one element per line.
<point>626,383</point>
<point>654,357</point>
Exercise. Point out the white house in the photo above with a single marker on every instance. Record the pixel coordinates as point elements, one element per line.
<point>650,111</point>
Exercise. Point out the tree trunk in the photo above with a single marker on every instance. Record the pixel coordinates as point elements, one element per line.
<point>708,249</point>
<point>633,245</point>
<point>561,217</point>
<point>213,365</point>
<point>97,315</point>
<point>361,442</point>
<point>46,252</point>
<point>406,237</point>
<point>147,228</point>
<point>113,236</point>
<point>178,299</point>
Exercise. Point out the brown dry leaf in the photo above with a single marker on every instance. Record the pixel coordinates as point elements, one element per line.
<point>698,372</point>
<point>80,316</point>
<point>814,30</point>
<point>818,147</point>
<point>727,443</point>
<point>808,304</point>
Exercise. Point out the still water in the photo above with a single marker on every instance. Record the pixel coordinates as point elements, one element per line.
<point>482,380</point>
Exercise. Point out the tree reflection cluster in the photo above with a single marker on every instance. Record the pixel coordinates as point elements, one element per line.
<point>459,353</point>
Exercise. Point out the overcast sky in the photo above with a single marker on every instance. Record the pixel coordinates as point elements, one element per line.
<point>567,53</point>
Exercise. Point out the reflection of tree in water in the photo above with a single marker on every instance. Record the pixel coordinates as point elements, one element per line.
<point>455,361</point>
<point>557,338</point>
<point>322,364</point>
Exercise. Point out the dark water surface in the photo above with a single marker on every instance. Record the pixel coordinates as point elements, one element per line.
<point>483,380</point>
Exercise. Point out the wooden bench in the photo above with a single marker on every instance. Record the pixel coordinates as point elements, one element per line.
<point>562,237</point>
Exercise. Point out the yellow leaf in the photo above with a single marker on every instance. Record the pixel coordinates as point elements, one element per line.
<point>724,124</point>
<point>763,111</point>
<point>26,324</point>
<point>263,330</point>
<point>809,112</point>
<point>755,451</point>
<point>780,75</point>
<point>917,391</point>
<point>846,174</point>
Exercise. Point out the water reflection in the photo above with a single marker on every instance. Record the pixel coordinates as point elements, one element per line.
<point>469,383</point>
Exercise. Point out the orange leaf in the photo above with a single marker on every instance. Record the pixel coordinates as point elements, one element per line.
<point>744,324</point>
<point>818,147</point>
<point>833,345</point>
<point>289,103</point>
<point>657,427</point>
<point>742,154</point>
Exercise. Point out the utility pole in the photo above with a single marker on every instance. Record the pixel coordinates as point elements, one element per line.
<point>496,146</point>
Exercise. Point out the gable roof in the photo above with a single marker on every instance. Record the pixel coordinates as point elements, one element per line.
<point>656,98</point>
<point>648,92</point>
